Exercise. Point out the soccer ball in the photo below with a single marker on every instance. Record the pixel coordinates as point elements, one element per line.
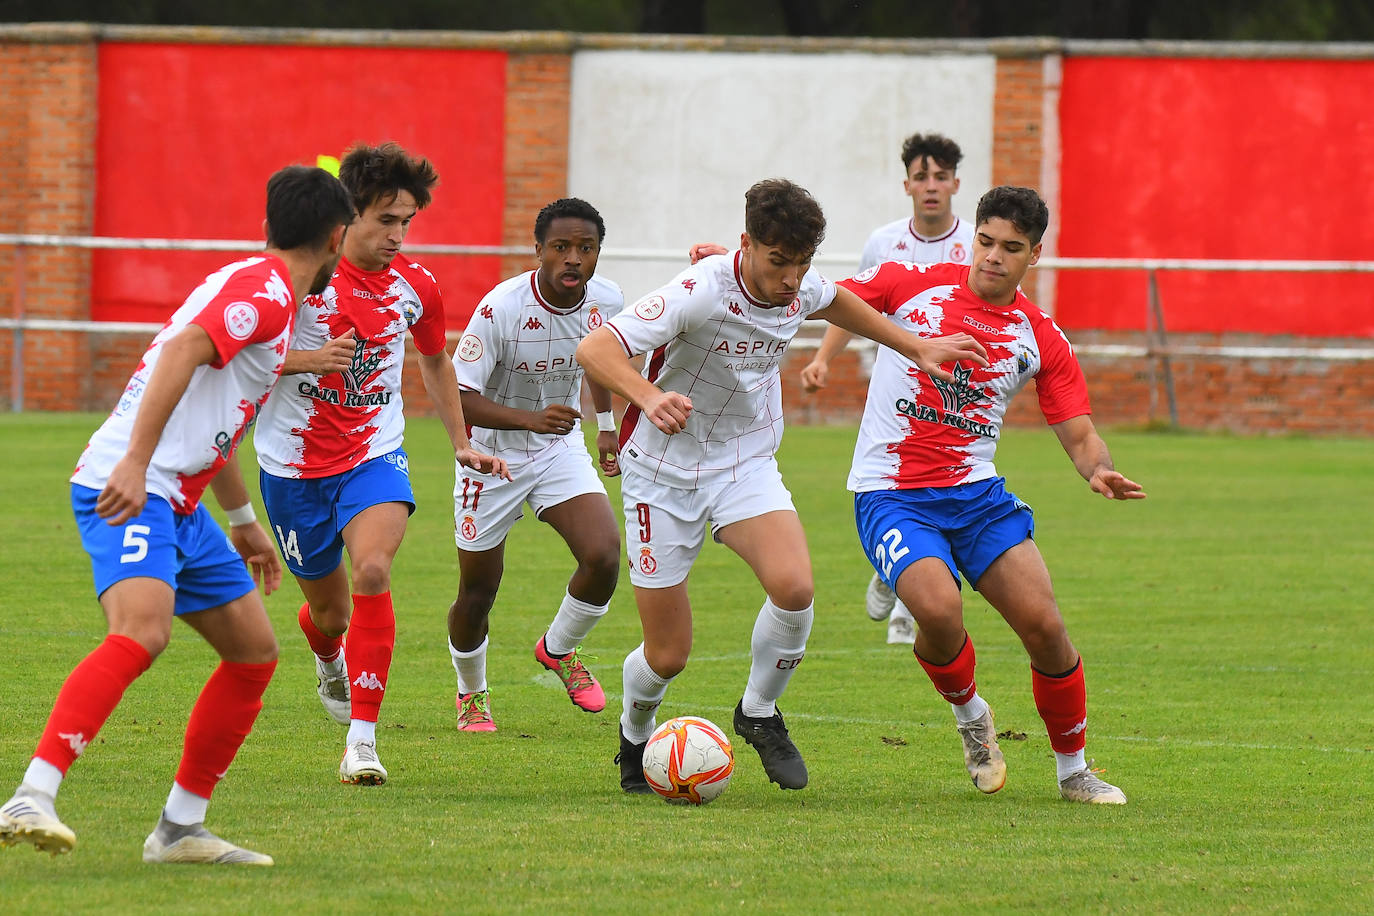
<point>688,760</point>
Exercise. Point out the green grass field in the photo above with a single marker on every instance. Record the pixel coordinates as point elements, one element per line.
<point>1225,625</point>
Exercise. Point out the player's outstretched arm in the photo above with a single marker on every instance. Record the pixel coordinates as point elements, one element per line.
<point>441,383</point>
<point>850,312</point>
<point>335,356</point>
<point>249,538</point>
<point>126,490</point>
<point>1090,457</point>
<point>607,364</point>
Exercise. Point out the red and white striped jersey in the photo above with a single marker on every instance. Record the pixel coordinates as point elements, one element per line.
<point>518,351</point>
<point>898,241</point>
<point>319,426</point>
<point>708,338</point>
<point>918,432</point>
<point>248,309</point>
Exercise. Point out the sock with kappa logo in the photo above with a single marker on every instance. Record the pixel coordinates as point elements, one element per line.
<point>956,682</point>
<point>371,640</point>
<point>326,648</point>
<point>88,696</point>
<point>776,648</point>
<point>223,716</point>
<point>1062,701</point>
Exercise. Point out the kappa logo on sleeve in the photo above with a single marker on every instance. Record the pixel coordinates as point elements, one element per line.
<point>650,308</point>
<point>241,320</point>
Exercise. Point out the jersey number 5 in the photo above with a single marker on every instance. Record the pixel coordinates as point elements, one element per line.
<point>889,551</point>
<point>136,539</point>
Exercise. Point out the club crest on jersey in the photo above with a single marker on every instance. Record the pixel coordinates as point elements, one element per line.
<point>411,312</point>
<point>794,308</point>
<point>470,348</point>
<point>647,564</point>
<point>362,367</point>
<point>1023,360</point>
<point>241,320</point>
<point>468,528</point>
<point>593,318</point>
<point>958,394</point>
<point>957,252</point>
<point>650,308</point>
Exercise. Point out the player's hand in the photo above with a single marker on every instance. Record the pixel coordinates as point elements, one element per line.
<point>1114,485</point>
<point>608,447</point>
<point>668,410</point>
<point>125,493</point>
<point>705,250</point>
<point>951,348</point>
<point>335,356</point>
<point>479,461</point>
<point>557,419</point>
<point>813,375</point>
<point>255,545</point>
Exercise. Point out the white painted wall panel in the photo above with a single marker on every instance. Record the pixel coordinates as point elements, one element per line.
<point>665,144</point>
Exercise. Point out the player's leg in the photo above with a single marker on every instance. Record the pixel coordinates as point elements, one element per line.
<point>479,578</point>
<point>134,568</point>
<point>900,532</point>
<point>755,519</point>
<point>664,531</point>
<point>302,515</point>
<point>586,523</point>
<point>1017,583</point>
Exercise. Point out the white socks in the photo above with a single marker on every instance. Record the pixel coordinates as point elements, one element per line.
<point>644,690</point>
<point>970,711</point>
<point>43,776</point>
<point>361,730</point>
<point>777,647</point>
<point>571,625</point>
<point>185,808</point>
<point>471,667</point>
<point>1065,765</point>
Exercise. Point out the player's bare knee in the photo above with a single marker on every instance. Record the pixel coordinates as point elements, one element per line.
<point>796,595</point>
<point>371,576</point>
<point>667,661</point>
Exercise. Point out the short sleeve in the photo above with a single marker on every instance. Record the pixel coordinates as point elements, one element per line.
<point>1059,385</point>
<point>685,302</point>
<point>251,308</point>
<point>477,353</point>
<point>429,332</point>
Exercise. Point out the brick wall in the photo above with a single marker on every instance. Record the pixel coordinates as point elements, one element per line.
<point>1018,129</point>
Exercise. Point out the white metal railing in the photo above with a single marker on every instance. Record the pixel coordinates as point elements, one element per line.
<point>1158,348</point>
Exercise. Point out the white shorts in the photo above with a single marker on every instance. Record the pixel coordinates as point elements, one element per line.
<point>666,527</point>
<point>485,507</point>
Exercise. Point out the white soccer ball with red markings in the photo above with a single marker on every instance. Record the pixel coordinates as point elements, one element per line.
<point>688,760</point>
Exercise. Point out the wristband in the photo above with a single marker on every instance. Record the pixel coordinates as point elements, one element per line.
<point>605,421</point>
<point>243,515</point>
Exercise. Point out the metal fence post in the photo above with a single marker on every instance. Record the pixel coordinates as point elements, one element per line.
<point>1161,344</point>
<point>17,338</point>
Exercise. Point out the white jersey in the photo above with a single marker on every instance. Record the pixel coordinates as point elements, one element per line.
<point>248,309</point>
<point>518,351</point>
<point>899,241</point>
<point>709,339</point>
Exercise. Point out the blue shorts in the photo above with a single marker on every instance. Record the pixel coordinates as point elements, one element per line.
<point>968,526</point>
<point>191,553</point>
<point>308,514</point>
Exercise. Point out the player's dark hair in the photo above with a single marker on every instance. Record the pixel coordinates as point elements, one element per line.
<point>780,213</point>
<point>304,205</point>
<point>573,207</point>
<point>940,149</point>
<point>1021,207</point>
<point>379,173</point>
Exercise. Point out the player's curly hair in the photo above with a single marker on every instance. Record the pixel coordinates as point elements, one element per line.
<point>780,213</point>
<point>379,173</point>
<point>574,207</point>
<point>1021,207</point>
<point>937,147</point>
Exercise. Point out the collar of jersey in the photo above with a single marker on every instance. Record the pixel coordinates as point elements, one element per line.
<point>739,279</point>
<point>550,307</point>
<point>911,227</point>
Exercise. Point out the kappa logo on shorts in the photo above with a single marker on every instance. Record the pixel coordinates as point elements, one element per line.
<point>468,528</point>
<point>401,462</point>
<point>647,564</point>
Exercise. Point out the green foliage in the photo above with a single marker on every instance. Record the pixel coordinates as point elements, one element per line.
<point>1225,629</point>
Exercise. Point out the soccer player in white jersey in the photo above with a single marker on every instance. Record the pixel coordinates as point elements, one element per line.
<point>155,551</point>
<point>698,446</point>
<point>929,503</point>
<point>932,235</point>
<point>522,395</point>
<point>334,474</point>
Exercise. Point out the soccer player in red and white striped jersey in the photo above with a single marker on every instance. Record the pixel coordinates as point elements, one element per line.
<point>156,552</point>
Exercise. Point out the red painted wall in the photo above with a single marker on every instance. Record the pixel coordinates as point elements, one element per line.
<point>1220,158</point>
<point>188,135</point>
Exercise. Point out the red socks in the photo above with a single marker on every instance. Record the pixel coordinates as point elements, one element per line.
<point>1063,703</point>
<point>220,721</point>
<point>88,696</point>
<point>371,638</point>
<point>954,680</point>
<point>326,647</point>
